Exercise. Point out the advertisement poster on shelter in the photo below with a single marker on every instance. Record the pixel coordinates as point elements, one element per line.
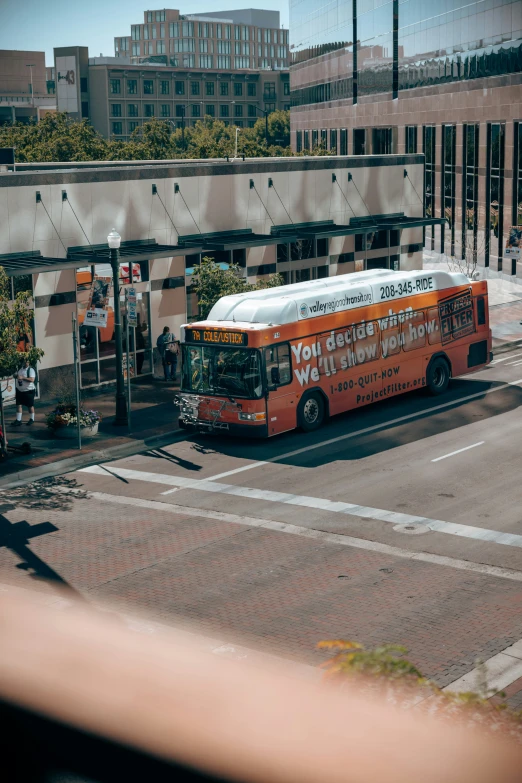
<point>513,247</point>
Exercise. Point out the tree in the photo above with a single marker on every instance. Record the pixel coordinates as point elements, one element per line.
<point>15,329</point>
<point>278,129</point>
<point>211,282</point>
<point>54,138</point>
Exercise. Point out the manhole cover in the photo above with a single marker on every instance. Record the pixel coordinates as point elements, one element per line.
<point>411,530</point>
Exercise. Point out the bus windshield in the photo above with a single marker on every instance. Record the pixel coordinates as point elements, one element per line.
<point>232,372</point>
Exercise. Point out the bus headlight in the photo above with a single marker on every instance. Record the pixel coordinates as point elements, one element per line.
<point>251,416</point>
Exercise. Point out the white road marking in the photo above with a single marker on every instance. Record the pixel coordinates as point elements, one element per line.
<point>505,358</point>
<point>514,364</point>
<point>338,507</point>
<point>498,672</point>
<point>459,451</point>
<point>316,535</point>
<point>366,430</point>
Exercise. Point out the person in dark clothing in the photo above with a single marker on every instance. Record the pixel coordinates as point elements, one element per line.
<point>168,350</point>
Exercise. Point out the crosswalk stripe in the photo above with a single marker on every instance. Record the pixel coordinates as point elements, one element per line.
<point>322,504</point>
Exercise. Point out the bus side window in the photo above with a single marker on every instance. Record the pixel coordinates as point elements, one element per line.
<point>368,348</point>
<point>413,330</point>
<point>390,342</point>
<point>433,325</point>
<point>481,311</point>
<point>278,369</point>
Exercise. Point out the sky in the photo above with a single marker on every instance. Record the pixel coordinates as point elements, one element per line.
<point>40,25</point>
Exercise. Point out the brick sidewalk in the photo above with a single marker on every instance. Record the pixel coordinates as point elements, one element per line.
<point>153,415</point>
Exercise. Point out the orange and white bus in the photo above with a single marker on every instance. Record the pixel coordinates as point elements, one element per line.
<point>268,361</point>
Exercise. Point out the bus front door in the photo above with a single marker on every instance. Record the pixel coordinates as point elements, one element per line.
<point>281,400</point>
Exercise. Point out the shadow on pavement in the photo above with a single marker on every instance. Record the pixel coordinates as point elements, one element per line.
<point>389,434</point>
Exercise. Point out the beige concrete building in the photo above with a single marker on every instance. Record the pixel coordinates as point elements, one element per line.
<point>444,79</point>
<point>23,86</point>
<point>306,218</point>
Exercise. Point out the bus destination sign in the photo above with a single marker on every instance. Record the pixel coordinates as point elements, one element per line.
<point>216,337</point>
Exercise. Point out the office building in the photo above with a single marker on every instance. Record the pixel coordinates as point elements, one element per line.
<point>443,78</point>
<point>23,86</point>
<point>219,40</point>
<point>117,96</point>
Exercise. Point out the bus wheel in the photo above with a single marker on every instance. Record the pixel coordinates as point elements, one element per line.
<point>438,376</point>
<point>311,412</point>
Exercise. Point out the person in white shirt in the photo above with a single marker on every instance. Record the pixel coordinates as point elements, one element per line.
<point>25,391</point>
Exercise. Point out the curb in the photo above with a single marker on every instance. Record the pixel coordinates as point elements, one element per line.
<point>90,458</point>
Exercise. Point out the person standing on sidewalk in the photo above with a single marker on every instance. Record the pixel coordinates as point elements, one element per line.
<point>169,358</point>
<point>25,390</point>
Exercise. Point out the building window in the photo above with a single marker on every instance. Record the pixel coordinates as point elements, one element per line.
<point>324,139</point>
<point>132,110</point>
<point>132,86</point>
<point>494,192</point>
<point>85,108</point>
<point>359,141</point>
<point>116,109</point>
<point>135,32</point>
<point>165,87</point>
<point>298,141</point>
<point>241,62</point>
<point>270,107</point>
<point>83,84</point>
<point>196,110</point>
<point>174,30</point>
<point>237,32</point>
<point>343,142</point>
<point>223,88</point>
<point>195,88</point>
<point>251,89</point>
<point>428,144</point>
<point>180,88</point>
<point>205,46</point>
<point>149,16</point>
<point>470,153</point>
<point>209,88</point>
<point>115,86</point>
<point>223,110</point>
<point>210,110</point>
<point>315,139</point>
<point>117,128</point>
<point>223,62</point>
<point>449,139</point>
<point>148,87</point>
<point>411,139</point>
<point>187,29</point>
<point>149,110</point>
<point>160,16</point>
<point>135,50</point>
<point>252,110</point>
<point>238,123</point>
<point>286,88</point>
<point>238,110</point>
<point>146,32</point>
<point>333,141</point>
<point>205,61</point>
<point>165,110</point>
<point>133,125</point>
<point>269,92</point>
<point>184,45</point>
<point>160,47</point>
<point>223,47</point>
<point>180,111</point>
<point>238,89</point>
<point>382,141</point>
<point>306,141</point>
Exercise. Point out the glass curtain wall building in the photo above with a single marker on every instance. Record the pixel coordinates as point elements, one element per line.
<point>441,77</point>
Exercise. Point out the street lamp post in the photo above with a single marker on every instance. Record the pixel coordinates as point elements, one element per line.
<point>31,66</point>
<point>114,240</point>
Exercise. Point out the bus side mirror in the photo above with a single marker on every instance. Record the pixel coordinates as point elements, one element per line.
<point>274,376</point>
